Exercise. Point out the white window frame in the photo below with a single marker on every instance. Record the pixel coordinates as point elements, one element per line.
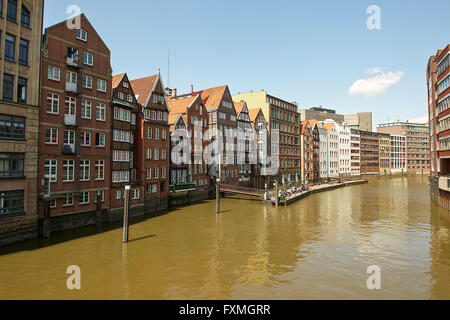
<point>85,82</point>
<point>69,165</point>
<point>101,108</point>
<point>66,197</point>
<point>99,168</point>
<point>50,164</point>
<point>82,199</point>
<point>86,105</point>
<point>85,134</point>
<point>52,135</point>
<point>86,56</point>
<point>101,85</point>
<point>54,97</point>
<point>82,32</point>
<point>85,167</point>
<point>52,75</point>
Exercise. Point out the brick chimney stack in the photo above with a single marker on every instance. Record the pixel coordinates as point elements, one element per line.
<point>174,92</point>
<point>192,88</point>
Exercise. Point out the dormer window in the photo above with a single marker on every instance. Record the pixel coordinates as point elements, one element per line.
<point>82,34</point>
<point>126,84</point>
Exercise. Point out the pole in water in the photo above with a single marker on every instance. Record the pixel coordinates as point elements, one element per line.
<point>126,210</point>
<point>217,196</point>
<point>276,193</point>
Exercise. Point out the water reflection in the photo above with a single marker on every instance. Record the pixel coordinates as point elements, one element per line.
<point>318,248</point>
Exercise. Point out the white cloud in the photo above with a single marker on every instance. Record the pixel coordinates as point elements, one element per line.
<point>373,71</point>
<point>423,119</point>
<point>373,86</point>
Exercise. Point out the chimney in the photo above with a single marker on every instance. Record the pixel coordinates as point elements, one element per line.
<point>174,92</point>
<point>192,88</point>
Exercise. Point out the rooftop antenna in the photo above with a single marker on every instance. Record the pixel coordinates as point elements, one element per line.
<point>168,69</point>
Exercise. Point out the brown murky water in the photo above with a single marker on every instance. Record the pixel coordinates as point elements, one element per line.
<point>318,248</point>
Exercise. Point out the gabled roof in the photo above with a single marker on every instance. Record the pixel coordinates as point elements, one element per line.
<point>181,105</point>
<point>174,118</point>
<point>328,126</point>
<point>239,106</point>
<point>116,80</point>
<point>143,88</point>
<point>253,113</point>
<point>213,96</point>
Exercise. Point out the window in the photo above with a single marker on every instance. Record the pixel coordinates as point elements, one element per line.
<point>51,136</point>
<point>130,98</point>
<point>71,77</point>
<point>156,157</point>
<point>85,170</point>
<point>101,85</point>
<point>86,109</point>
<point>85,198</point>
<point>68,200</point>
<point>22,91</point>
<point>85,139</point>
<point>156,133</point>
<point>54,73</point>
<point>10,47</point>
<point>69,137</point>
<point>11,14</point>
<point>125,84</point>
<point>135,194</point>
<point>68,170</point>
<point>100,140</point>
<point>149,133</point>
<point>51,170</point>
<point>120,176</point>
<point>99,170</point>
<point>52,103</point>
<point>156,173</point>
<point>70,106</point>
<point>101,112</point>
<point>11,202</point>
<point>12,128</point>
<point>88,58</point>
<point>148,173</point>
<point>163,154</point>
<point>25,17</point>
<point>53,204</point>
<point>154,188</point>
<point>120,95</point>
<point>23,52</point>
<point>100,195</point>
<point>11,165</point>
<point>163,173</point>
<point>81,34</point>
<point>8,87</point>
<point>164,133</point>
<point>87,82</point>
<point>118,195</point>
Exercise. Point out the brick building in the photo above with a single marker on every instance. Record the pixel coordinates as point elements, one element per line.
<point>261,128</point>
<point>74,157</point>
<point>243,146</point>
<point>284,120</point>
<point>196,118</point>
<point>222,124</point>
<point>307,152</point>
<point>153,140</point>
<point>370,151</point>
<point>21,36</point>
<point>417,143</point>
<point>124,171</point>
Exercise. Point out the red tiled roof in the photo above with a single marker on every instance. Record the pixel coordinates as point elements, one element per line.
<point>239,106</point>
<point>178,106</point>
<point>212,96</point>
<point>116,80</point>
<point>328,126</point>
<point>253,113</point>
<point>143,87</point>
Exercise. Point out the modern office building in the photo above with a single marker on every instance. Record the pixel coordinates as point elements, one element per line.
<point>284,122</point>
<point>385,152</point>
<point>398,154</point>
<point>355,152</point>
<point>370,151</point>
<point>21,35</point>
<point>438,87</point>
<point>417,143</point>
<point>75,125</point>
<point>360,121</point>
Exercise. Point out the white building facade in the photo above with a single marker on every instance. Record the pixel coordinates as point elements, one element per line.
<point>355,152</point>
<point>398,154</point>
<point>332,149</point>
<point>323,153</point>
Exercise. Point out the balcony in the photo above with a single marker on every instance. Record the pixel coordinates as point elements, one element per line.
<point>70,120</point>
<point>72,87</point>
<point>69,149</point>
<point>75,63</point>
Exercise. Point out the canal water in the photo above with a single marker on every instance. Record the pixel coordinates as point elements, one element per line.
<point>318,248</point>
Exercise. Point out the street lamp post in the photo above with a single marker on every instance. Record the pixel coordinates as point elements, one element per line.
<point>126,209</point>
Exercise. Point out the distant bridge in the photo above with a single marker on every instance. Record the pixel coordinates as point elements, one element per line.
<point>233,189</point>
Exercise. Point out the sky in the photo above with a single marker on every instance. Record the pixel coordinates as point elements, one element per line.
<point>316,53</point>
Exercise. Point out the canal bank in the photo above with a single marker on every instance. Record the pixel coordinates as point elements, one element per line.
<point>317,248</point>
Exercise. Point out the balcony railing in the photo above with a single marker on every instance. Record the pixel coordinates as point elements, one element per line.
<point>70,120</point>
<point>71,62</point>
<point>72,87</point>
<point>69,149</point>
